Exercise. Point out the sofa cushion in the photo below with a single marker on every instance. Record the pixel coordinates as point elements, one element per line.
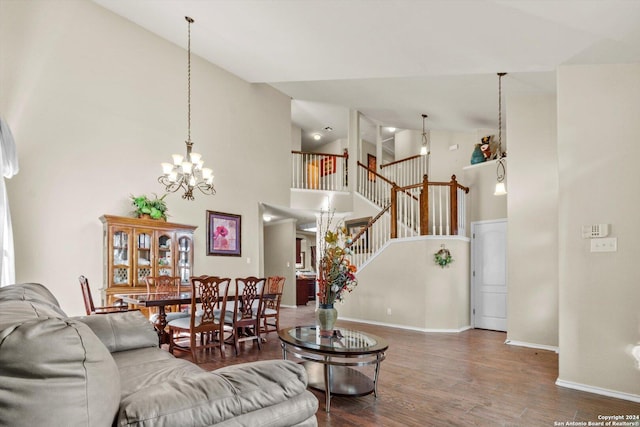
<point>27,301</point>
<point>56,372</point>
<point>122,331</point>
<point>208,398</point>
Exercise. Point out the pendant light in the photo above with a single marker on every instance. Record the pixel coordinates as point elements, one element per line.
<point>501,171</point>
<point>187,172</point>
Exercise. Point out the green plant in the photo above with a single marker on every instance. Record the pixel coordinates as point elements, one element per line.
<point>156,208</point>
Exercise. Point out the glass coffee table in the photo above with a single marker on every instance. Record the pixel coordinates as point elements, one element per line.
<point>329,360</point>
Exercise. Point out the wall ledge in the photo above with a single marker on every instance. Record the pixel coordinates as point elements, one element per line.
<point>532,345</point>
<point>405,327</point>
<point>598,390</point>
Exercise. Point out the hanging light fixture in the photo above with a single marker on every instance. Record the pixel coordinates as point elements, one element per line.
<point>187,172</point>
<point>424,149</point>
<point>501,171</point>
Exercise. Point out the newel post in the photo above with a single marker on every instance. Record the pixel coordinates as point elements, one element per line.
<point>453,196</point>
<point>424,206</point>
<point>394,212</point>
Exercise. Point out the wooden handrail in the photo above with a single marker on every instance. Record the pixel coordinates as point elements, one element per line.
<point>399,161</point>
<point>321,154</point>
<point>369,224</point>
<point>387,180</point>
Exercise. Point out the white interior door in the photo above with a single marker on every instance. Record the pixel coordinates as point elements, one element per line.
<point>489,275</point>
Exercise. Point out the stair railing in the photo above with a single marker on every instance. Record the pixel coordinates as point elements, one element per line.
<point>406,171</point>
<point>319,171</point>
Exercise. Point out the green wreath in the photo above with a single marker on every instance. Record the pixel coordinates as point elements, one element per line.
<point>443,257</point>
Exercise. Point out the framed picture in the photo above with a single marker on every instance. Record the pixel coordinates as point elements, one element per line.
<point>327,165</point>
<point>223,234</point>
<point>353,227</point>
<point>372,164</point>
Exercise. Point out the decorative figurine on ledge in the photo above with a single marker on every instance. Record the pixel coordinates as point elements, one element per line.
<point>485,147</point>
<point>477,156</point>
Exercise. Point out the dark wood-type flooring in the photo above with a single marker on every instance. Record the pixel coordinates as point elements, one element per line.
<point>446,379</point>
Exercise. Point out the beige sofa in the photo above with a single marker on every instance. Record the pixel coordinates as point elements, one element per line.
<point>105,370</point>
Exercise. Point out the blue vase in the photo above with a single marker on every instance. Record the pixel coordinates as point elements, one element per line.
<point>477,156</point>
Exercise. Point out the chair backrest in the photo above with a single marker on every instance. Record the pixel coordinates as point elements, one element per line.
<point>248,295</point>
<point>86,295</point>
<point>272,294</point>
<point>213,292</point>
<point>168,284</point>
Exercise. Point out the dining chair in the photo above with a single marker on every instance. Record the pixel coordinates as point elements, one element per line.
<point>241,316</point>
<point>88,301</point>
<point>271,298</point>
<point>169,285</point>
<point>207,320</point>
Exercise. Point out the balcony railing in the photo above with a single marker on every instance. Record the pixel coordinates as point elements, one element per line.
<point>406,171</point>
<point>319,171</point>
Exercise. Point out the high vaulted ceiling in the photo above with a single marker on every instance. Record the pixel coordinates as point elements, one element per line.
<point>396,59</point>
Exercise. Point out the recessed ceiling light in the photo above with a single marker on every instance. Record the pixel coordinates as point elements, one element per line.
<point>317,136</point>
<point>266,218</point>
<point>391,129</point>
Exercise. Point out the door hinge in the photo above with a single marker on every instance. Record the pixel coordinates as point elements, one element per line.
<point>474,311</point>
<point>474,235</point>
<point>474,273</point>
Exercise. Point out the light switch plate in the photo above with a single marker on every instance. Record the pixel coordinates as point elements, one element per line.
<point>608,244</point>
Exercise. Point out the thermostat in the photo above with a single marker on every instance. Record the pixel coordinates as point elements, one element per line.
<point>595,230</point>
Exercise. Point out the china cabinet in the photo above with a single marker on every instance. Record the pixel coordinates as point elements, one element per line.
<point>135,248</point>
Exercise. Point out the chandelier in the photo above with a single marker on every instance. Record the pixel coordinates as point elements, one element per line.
<point>186,172</point>
<point>501,172</point>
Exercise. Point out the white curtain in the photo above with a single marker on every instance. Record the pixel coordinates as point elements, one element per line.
<point>9,164</point>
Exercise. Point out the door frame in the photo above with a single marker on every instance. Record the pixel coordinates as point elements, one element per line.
<point>472,281</point>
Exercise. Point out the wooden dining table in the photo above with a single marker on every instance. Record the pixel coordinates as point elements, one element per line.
<point>160,300</point>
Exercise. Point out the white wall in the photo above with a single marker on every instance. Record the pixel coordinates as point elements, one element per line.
<point>407,143</point>
<point>96,103</point>
<point>280,256</point>
<point>598,152</point>
<point>533,220</point>
<point>406,280</point>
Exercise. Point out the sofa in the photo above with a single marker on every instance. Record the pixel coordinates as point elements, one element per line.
<point>107,370</point>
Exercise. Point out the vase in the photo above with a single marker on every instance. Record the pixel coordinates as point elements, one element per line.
<point>327,316</point>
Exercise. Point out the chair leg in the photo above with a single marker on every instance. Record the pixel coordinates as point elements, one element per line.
<point>192,341</point>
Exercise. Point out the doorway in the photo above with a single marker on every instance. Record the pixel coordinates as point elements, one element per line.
<point>489,275</point>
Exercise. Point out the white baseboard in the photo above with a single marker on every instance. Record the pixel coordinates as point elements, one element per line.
<point>598,390</point>
<point>532,345</point>
<point>409,328</point>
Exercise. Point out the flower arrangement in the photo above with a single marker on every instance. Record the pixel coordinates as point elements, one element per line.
<point>443,257</point>
<point>336,275</point>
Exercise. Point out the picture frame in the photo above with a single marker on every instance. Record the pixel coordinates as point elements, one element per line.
<point>353,227</point>
<point>224,235</point>
<point>372,164</point>
<point>327,165</point>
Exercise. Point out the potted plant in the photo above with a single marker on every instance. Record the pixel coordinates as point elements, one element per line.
<point>155,208</point>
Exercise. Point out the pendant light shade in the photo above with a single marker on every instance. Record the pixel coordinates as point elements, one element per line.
<point>501,170</point>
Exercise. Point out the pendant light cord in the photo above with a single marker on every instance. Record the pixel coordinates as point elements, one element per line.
<point>190,21</point>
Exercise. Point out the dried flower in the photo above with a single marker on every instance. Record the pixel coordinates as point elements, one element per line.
<point>336,275</point>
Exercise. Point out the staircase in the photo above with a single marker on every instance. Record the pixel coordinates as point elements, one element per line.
<point>408,203</point>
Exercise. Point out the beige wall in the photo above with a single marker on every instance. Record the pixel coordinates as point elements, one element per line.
<point>482,204</point>
<point>420,294</point>
<point>280,256</point>
<point>598,152</point>
<point>96,103</point>
<point>532,241</point>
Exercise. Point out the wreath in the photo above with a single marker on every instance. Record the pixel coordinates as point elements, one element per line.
<point>443,257</point>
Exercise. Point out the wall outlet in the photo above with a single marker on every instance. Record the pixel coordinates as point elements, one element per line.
<point>388,312</point>
<point>454,147</point>
<point>248,260</point>
<point>608,244</point>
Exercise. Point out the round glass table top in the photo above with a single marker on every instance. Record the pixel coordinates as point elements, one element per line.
<point>342,341</point>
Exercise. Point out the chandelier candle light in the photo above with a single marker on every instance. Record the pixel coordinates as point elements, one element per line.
<point>187,172</point>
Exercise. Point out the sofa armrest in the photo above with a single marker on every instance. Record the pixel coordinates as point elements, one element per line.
<point>208,398</point>
<point>123,330</point>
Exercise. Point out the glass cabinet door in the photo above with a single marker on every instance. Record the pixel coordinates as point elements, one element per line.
<point>121,256</point>
<point>164,261</point>
<point>143,240</point>
<point>185,260</point>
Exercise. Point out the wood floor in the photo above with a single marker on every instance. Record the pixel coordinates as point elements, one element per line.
<point>465,379</point>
